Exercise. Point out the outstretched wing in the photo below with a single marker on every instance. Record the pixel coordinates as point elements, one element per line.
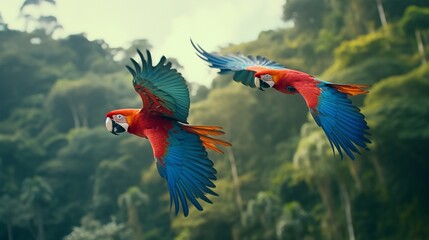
<point>186,167</point>
<point>162,89</point>
<point>332,110</point>
<point>237,64</point>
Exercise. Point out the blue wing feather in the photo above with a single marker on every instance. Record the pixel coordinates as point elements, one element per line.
<point>342,122</point>
<point>188,170</point>
<point>164,82</point>
<point>236,64</point>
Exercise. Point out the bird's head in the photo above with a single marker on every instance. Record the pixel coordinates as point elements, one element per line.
<point>118,121</point>
<point>265,79</point>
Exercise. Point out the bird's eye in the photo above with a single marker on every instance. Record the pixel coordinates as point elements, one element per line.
<point>266,77</point>
<point>291,89</point>
<point>119,116</point>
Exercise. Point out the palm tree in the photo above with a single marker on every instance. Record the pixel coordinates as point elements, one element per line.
<point>131,200</point>
<point>36,193</point>
<point>49,24</point>
<point>10,213</point>
<point>3,25</point>
<point>29,17</point>
<point>36,2</point>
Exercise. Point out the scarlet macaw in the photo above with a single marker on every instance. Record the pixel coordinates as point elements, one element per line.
<point>328,103</point>
<point>179,149</point>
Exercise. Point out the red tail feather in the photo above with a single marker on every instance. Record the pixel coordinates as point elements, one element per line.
<point>204,132</point>
<point>350,89</point>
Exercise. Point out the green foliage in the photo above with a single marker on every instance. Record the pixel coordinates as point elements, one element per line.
<point>368,71</point>
<point>415,18</point>
<point>261,213</point>
<point>294,223</point>
<point>306,14</point>
<point>396,8</point>
<point>355,51</point>
<point>398,111</point>
<point>396,98</point>
<point>94,230</point>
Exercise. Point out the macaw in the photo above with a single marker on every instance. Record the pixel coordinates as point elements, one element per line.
<point>328,103</point>
<point>178,148</point>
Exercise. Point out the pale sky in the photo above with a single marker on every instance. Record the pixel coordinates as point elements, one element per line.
<point>167,24</point>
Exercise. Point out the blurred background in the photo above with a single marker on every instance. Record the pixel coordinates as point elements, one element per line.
<point>63,176</point>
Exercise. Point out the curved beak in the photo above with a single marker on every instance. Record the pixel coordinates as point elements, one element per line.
<point>114,127</point>
<point>258,83</point>
<point>261,84</point>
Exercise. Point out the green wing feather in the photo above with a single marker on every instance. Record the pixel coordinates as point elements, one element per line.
<point>163,90</point>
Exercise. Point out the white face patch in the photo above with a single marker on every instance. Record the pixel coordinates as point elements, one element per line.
<point>119,118</point>
<point>266,77</point>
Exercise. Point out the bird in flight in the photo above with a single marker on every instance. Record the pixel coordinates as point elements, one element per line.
<point>328,103</point>
<point>179,148</point>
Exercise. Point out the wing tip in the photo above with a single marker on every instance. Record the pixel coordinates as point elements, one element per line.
<point>131,70</point>
<point>200,52</point>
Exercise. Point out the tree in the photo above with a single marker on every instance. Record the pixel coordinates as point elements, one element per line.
<point>11,213</point>
<point>49,24</point>
<point>36,2</point>
<point>294,222</point>
<point>42,20</point>
<point>381,13</point>
<point>94,230</point>
<point>124,54</point>
<point>80,103</point>
<point>307,15</point>
<point>315,164</point>
<point>416,20</point>
<point>400,131</point>
<point>36,195</point>
<point>3,24</point>
<point>130,201</point>
<point>261,214</point>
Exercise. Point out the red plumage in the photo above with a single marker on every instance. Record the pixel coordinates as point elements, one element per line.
<point>179,149</point>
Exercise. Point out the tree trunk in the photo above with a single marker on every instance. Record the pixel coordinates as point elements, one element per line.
<point>39,224</point>
<point>85,121</point>
<point>354,171</point>
<point>348,210</point>
<point>420,46</point>
<point>26,24</point>
<point>381,13</point>
<point>330,224</point>
<point>9,231</point>
<point>236,183</point>
<point>378,168</point>
<point>133,221</point>
<point>74,115</point>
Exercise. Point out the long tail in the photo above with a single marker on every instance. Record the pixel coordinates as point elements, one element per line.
<point>204,132</point>
<point>350,89</point>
